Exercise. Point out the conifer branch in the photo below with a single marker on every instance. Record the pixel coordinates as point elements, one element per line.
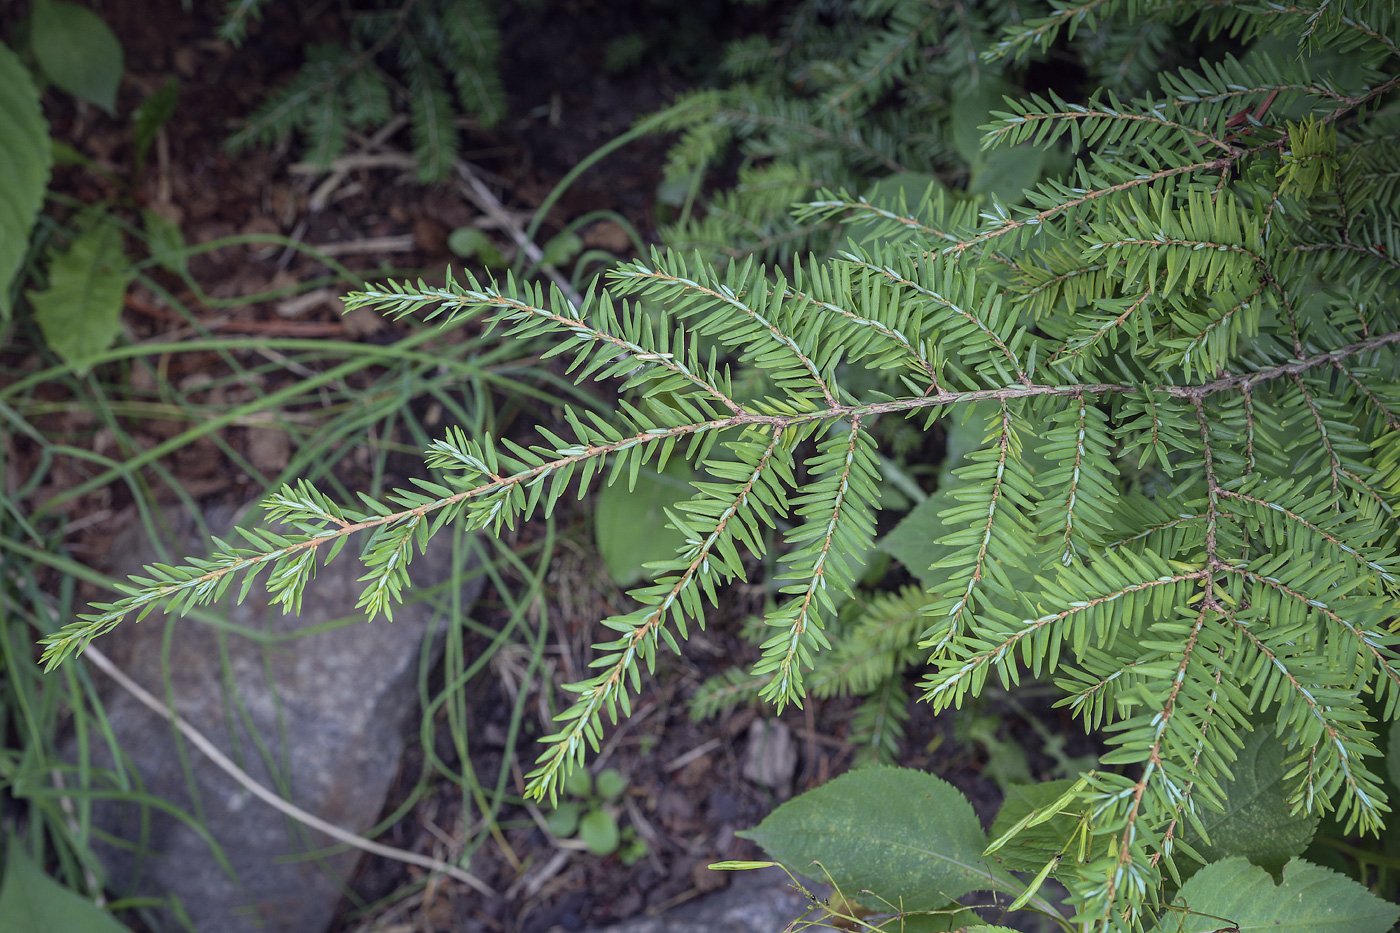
<point>1392,418</point>
<point>1386,576</point>
<point>1084,343</point>
<point>1375,642</point>
<point>727,296</point>
<point>671,598</point>
<point>1153,769</point>
<point>1046,124</point>
<point>1360,804</point>
<point>916,357</point>
<point>950,303</point>
<point>959,676</point>
<point>860,208</point>
<point>888,51</point>
<point>850,141</point>
<point>836,506</point>
<point>1002,224</point>
<point>1178,499</point>
<point>210,581</point>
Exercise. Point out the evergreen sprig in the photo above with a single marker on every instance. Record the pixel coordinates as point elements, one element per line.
<point>1182,507</point>
<point>435,58</point>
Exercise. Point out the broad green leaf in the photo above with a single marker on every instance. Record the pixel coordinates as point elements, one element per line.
<point>950,918</point>
<point>1033,846</point>
<point>914,541</point>
<point>599,831</point>
<point>561,249</point>
<point>469,242</point>
<point>970,112</point>
<point>1256,823</point>
<point>579,783</point>
<point>1007,173</point>
<point>77,51</point>
<point>630,525</point>
<point>80,312</point>
<point>906,836</point>
<point>26,157</point>
<point>1311,899</point>
<point>563,819</point>
<point>634,850</point>
<point>610,783</point>
<point>31,901</point>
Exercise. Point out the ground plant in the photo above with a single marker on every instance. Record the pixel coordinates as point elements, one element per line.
<point>591,815</point>
<point>433,60</point>
<point>66,269</point>
<point>1165,371</point>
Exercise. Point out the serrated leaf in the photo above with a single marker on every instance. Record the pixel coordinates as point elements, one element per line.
<point>630,526</point>
<point>80,312</point>
<point>909,837</point>
<point>1256,823</point>
<point>26,155</point>
<point>77,51</point>
<point>31,901</point>
<point>1310,899</point>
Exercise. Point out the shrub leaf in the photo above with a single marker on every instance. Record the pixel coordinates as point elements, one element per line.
<point>78,52</point>
<point>79,313</point>
<point>906,836</point>
<point>1310,898</point>
<point>26,155</point>
<point>31,900</point>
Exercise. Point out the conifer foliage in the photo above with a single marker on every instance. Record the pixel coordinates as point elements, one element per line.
<point>434,59</point>
<point>1181,355</point>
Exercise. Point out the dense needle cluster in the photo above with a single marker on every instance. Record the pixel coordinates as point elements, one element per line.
<point>1182,349</point>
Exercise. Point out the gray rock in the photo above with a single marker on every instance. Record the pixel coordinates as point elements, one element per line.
<point>763,901</point>
<point>771,757</point>
<point>320,718</point>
